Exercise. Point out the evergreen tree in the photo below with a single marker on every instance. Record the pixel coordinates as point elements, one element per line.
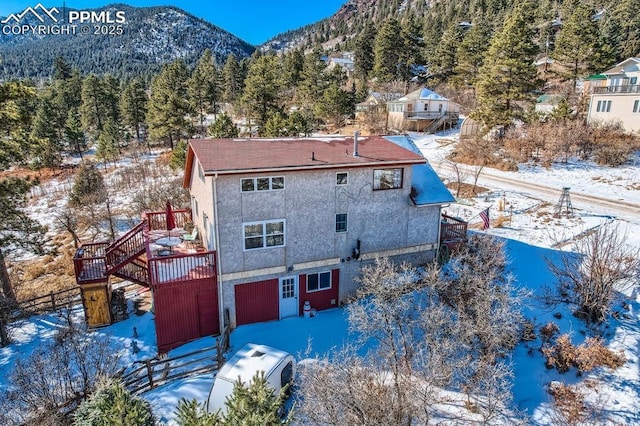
<point>292,68</point>
<point>168,105</point>
<point>46,149</point>
<point>88,186</point>
<point>387,48</point>
<point>92,111</point>
<point>313,80</point>
<point>61,69</point>
<point>17,103</point>
<point>298,124</point>
<point>179,156</point>
<point>205,88</point>
<point>410,50</point>
<point>445,58</point>
<point>190,413</point>
<point>576,43</point>
<point>223,127</point>
<point>108,149</point>
<point>363,54</point>
<point>261,96</point>
<point>508,75</point>
<point>133,106</point>
<point>470,54</point>
<point>276,125</point>
<point>255,404</point>
<point>112,405</point>
<point>73,134</point>
<point>232,75</point>
<point>621,31</point>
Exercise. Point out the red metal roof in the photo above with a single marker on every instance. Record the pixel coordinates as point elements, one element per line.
<point>227,156</point>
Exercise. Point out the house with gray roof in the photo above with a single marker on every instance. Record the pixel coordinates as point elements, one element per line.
<point>422,110</point>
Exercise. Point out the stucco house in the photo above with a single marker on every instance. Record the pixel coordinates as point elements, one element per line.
<point>293,220</point>
<point>422,110</point>
<point>618,100</point>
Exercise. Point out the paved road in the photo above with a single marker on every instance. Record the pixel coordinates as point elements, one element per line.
<point>490,178</point>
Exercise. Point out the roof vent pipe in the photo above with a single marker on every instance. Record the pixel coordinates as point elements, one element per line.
<point>355,143</point>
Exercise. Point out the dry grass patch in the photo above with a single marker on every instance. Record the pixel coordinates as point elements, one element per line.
<point>569,403</point>
<point>585,357</point>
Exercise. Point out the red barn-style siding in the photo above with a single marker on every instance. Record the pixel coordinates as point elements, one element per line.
<point>322,299</point>
<point>185,311</point>
<point>257,302</point>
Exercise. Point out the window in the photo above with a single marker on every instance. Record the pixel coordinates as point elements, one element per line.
<point>387,179</point>
<point>603,106</point>
<point>633,80</point>
<point>194,203</point>
<point>263,234</point>
<point>342,178</point>
<point>200,172</point>
<point>319,281</point>
<point>341,222</point>
<point>636,106</point>
<point>262,184</point>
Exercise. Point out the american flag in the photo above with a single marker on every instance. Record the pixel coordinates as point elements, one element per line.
<point>484,215</point>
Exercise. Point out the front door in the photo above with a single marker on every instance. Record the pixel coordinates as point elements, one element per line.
<point>288,297</point>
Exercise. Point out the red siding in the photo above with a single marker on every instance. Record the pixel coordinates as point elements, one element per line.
<point>322,299</point>
<point>257,302</point>
<point>185,311</point>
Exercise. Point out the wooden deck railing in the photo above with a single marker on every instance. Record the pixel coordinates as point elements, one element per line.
<point>157,372</point>
<point>452,229</point>
<point>89,262</point>
<point>182,267</point>
<point>126,247</point>
<point>158,220</point>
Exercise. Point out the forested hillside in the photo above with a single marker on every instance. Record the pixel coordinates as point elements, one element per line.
<point>152,36</point>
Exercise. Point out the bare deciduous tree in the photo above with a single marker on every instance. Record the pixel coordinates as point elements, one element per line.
<point>603,264</point>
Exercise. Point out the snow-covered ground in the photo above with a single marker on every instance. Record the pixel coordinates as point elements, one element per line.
<point>533,235</point>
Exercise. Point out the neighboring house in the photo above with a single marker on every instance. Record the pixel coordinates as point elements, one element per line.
<point>294,220</point>
<point>346,64</point>
<point>422,111</point>
<point>545,104</point>
<point>619,99</point>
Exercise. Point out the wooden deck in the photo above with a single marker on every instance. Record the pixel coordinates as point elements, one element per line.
<point>137,256</point>
<point>453,232</point>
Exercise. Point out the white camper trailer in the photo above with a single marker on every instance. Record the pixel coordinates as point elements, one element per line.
<point>278,367</point>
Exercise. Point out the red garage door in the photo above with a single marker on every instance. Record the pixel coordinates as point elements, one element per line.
<point>257,302</point>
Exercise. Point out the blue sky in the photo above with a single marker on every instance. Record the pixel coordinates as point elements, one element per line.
<point>254,21</point>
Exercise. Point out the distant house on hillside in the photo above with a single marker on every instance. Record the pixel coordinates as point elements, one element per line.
<point>294,220</point>
<point>618,100</point>
<point>347,64</point>
<point>422,111</point>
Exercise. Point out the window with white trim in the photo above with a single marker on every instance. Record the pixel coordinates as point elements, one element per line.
<point>342,178</point>
<point>262,184</point>
<point>200,172</point>
<point>341,222</point>
<point>387,179</point>
<point>265,234</point>
<point>318,281</point>
<point>603,106</point>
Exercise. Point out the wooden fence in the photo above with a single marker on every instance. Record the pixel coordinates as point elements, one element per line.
<point>157,372</point>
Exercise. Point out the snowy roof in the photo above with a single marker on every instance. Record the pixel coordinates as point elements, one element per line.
<point>422,94</point>
<point>428,186</point>
<point>341,60</point>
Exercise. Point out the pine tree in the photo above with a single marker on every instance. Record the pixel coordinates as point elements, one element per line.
<point>445,58</point>
<point>363,54</point>
<point>576,43</point>
<point>470,54</point>
<point>92,111</point>
<point>112,405</point>
<point>411,50</point>
<point>313,80</point>
<point>292,68</point>
<point>46,146</point>
<point>88,185</point>
<point>276,125</point>
<point>205,88</point>
<point>168,105</point>
<point>133,106</point>
<point>179,156</point>
<point>73,134</point>
<point>261,96</point>
<point>223,127</point>
<point>108,149</point>
<point>233,79</point>
<point>255,404</point>
<point>17,103</point>
<point>508,75</point>
<point>190,413</point>
<point>387,47</point>
<point>621,30</point>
